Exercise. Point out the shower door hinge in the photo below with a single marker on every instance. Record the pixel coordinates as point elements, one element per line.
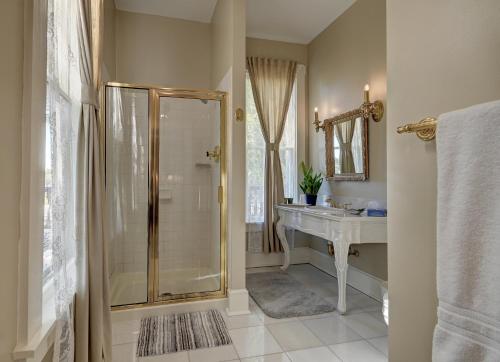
<point>220,194</point>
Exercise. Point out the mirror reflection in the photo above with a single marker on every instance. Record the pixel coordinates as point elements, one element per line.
<point>348,156</point>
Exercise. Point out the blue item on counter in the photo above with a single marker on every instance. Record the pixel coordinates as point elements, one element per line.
<point>376,212</point>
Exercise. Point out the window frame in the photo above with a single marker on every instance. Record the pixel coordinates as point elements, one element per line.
<point>295,151</point>
<point>34,331</point>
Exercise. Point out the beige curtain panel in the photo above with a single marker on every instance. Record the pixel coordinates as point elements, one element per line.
<point>272,84</point>
<point>345,133</point>
<point>92,307</point>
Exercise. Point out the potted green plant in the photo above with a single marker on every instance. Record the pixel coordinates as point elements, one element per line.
<point>310,184</point>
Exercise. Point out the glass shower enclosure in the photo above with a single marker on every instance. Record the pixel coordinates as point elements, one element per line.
<point>165,194</point>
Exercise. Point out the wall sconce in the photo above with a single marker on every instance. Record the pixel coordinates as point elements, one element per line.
<point>373,110</point>
<point>316,121</point>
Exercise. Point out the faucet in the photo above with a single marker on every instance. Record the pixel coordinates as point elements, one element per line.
<point>331,202</point>
<point>346,209</point>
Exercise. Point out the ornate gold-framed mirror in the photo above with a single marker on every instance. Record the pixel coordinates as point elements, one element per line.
<point>346,140</point>
<point>346,147</point>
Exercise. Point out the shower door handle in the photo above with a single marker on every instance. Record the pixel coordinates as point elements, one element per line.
<point>214,154</point>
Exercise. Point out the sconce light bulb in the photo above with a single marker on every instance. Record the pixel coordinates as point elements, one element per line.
<point>316,117</point>
<point>367,93</point>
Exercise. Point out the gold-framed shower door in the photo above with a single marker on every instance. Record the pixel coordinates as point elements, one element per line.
<point>154,95</point>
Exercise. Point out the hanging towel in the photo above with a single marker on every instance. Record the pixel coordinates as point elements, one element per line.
<point>468,235</point>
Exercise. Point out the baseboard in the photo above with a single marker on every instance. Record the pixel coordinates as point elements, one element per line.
<point>237,302</point>
<point>362,281</point>
<point>297,256</point>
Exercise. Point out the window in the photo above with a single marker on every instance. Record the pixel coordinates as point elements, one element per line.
<point>51,111</point>
<point>63,107</point>
<point>255,156</point>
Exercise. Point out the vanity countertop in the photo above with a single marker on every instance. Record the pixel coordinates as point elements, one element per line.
<point>330,213</point>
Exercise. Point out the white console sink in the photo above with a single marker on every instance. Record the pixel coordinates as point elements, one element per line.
<point>333,225</point>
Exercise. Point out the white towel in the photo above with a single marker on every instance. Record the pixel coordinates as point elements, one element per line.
<point>468,235</point>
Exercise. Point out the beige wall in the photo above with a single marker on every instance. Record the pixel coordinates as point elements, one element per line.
<point>222,42</point>
<point>431,69</point>
<point>342,59</point>
<point>276,49</point>
<point>164,51</point>
<point>11,73</point>
<point>109,49</point>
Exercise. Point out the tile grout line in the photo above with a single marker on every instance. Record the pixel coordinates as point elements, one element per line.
<point>364,340</point>
<point>305,325</point>
<point>234,347</point>
<point>344,324</point>
<point>305,348</point>
<point>271,333</point>
<point>276,339</point>
<point>371,344</point>
<point>336,355</point>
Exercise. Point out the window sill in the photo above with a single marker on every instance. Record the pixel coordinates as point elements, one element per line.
<point>39,344</point>
<point>254,227</point>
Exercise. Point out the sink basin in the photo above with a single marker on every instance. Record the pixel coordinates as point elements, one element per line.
<point>321,210</point>
<point>298,206</point>
<point>325,210</point>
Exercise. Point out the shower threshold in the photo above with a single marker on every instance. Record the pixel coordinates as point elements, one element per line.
<point>131,287</point>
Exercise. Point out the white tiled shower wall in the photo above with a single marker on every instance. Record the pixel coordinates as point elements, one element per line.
<point>188,209</point>
<point>187,131</point>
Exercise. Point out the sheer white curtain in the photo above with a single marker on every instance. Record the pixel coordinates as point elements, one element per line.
<point>62,122</point>
<point>75,254</point>
<point>344,133</point>
<point>74,184</point>
<point>357,146</point>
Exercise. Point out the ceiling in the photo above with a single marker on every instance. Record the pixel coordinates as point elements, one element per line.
<point>295,21</point>
<point>195,10</point>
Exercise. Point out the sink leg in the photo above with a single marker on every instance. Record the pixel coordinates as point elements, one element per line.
<point>280,230</point>
<point>341,253</point>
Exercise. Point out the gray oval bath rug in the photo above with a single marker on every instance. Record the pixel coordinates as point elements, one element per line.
<point>281,296</point>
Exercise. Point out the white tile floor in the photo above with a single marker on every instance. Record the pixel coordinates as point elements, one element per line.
<point>360,335</point>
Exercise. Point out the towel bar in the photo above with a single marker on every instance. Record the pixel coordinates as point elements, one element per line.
<point>425,129</point>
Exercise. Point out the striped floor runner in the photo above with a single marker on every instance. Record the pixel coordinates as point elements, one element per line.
<point>181,332</point>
